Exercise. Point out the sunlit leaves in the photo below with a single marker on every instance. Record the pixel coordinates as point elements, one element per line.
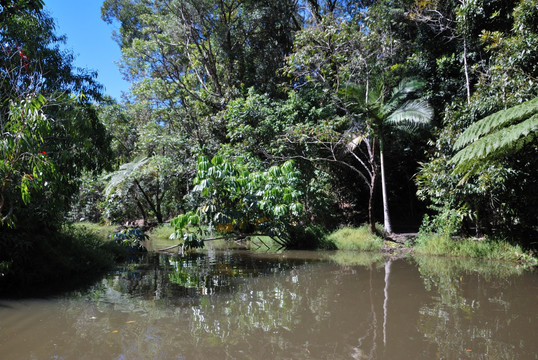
<point>187,228</point>
<point>24,164</point>
<point>236,200</point>
<point>502,133</point>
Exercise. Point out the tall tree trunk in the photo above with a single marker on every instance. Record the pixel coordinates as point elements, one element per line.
<point>371,219</point>
<point>466,69</point>
<point>386,215</point>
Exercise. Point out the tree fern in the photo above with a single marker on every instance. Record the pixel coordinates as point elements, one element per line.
<point>502,133</point>
<point>122,174</point>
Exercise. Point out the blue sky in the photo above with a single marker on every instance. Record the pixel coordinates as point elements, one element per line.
<point>90,39</point>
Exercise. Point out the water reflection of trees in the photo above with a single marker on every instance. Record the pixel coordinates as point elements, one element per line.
<point>279,311</point>
<point>229,305</point>
<point>471,310</point>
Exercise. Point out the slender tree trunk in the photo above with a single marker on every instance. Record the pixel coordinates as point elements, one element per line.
<point>386,215</point>
<point>158,198</point>
<point>466,69</point>
<point>371,219</point>
<point>150,202</point>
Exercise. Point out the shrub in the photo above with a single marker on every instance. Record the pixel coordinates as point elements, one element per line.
<point>309,237</point>
<point>132,238</point>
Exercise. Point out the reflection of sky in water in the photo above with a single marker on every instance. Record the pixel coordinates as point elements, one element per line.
<point>295,305</point>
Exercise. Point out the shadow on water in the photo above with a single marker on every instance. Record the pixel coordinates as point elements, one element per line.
<point>44,289</point>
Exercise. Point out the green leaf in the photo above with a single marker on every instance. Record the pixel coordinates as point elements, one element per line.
<point>497,121</point>
<point>499,143</point>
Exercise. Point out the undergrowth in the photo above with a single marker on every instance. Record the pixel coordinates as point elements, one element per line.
<point>485,248</point>
<point>53,258</point>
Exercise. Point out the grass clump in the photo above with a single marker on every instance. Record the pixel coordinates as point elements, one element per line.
<point>486,248</point>
<point>104,231</point>
<point>161,233</point>
<point>358,239</point>
<point>159,237</point>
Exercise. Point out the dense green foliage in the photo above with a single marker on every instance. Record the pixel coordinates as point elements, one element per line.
<point>496,195</point>
<point>325,83</point>
<point>49,134</point>
<point>49,127</point>
<point>282,118</point>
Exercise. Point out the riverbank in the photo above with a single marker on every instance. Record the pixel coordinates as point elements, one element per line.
<point>67,257</point>
<point>361,239</point>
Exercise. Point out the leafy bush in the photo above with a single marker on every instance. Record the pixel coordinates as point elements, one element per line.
<point>240,202</point>
<point>131,238</point>
<point>447,221</point>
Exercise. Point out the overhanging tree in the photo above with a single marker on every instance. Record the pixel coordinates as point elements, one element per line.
<point>189,58</point>
<point>239,202</point>
<point>46,116</point>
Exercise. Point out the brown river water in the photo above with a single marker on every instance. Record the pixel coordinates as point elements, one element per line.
<point>292,305</point>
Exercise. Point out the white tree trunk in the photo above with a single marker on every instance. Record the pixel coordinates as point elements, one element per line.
<point>466,69</point>
<point>386,215</point>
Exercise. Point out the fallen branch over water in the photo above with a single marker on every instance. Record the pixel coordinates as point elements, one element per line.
<point>178,245</point>
<point>168,248</point>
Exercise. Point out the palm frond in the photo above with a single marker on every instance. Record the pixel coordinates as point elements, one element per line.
<point>496,121</point>
<point>403,91</point>
<point>413,113</point>
<point>362,96</point>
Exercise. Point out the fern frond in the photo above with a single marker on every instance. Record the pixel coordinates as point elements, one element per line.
<point>496,121</point>
<point>505,141</point>
<point>122,174</point>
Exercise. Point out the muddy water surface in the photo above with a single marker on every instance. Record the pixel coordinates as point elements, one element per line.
<point>294,305</point>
